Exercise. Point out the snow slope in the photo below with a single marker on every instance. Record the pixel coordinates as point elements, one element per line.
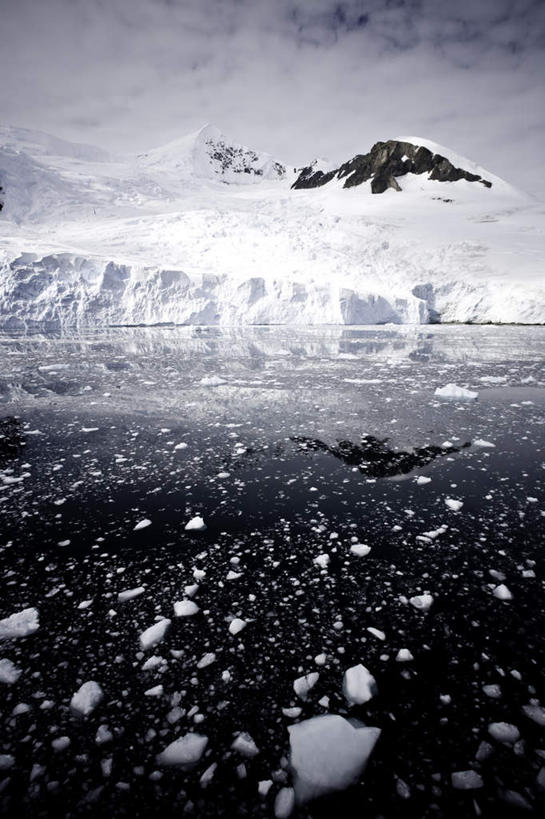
<point>206,231</point>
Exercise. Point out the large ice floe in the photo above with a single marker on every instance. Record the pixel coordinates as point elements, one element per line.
<point>206,231</point>
<point>328,753</point>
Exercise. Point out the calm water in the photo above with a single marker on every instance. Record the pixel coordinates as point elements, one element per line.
<point>291,444</point>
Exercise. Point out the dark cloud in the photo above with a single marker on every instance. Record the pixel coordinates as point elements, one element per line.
<point>296,77</point>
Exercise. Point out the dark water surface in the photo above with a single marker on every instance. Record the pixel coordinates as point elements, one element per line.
<point>299,443</point>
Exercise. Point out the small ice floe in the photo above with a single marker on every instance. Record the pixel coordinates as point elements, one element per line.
<point>153,662</point>
<point>154,634</point>
<point>264,786</point>
<point>86,698</point>
<point>422,480</point>
<point>85,604</point>
<point>292,713</point>
<point>380,635</point>
<point>451,392</point>
<point>156,691</point>
<point>322,561</point>
<point>130,594</point>
<point>231,575</point>
<point>328,753</point>
<point>359,685</point>
<point>479,442</point>
<point>6,761</point>
<point>236,625</point>
<point>504,732</point>
<point>303,685</point>
<point>492,690</point>
<point>454,505</point>
<point>103,735</point>
<point>60,743</point>
<point>536,713</point>
<point>206,660</point>
<point>245,745</point>
<point>320,659</point>
<point>212,381</point>
<point>421,601</point>
<point>360,549</point>
<point>20,624</point>
<point>142,525</point>
<point>9,673</point>
<point>466,780</point>
<point>196,524</point>
<point>404,656</point>
<point>185,608</point>
<point>185,752</point>
<point>181,445</point>
<point>89,429</point>
<point>284,803</point>
<point>501,592</point>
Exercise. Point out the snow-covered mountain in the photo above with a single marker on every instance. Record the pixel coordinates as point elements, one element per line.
<point>204,230</point>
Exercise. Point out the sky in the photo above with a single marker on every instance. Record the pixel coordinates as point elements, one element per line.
<point>297,78</point>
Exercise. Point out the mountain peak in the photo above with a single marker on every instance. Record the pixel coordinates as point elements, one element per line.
<point>386,162</point>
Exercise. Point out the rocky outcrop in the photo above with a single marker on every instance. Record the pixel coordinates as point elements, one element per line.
<point>384,164</point>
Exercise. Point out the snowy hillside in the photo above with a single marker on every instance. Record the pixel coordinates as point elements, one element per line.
<point>207,231</point>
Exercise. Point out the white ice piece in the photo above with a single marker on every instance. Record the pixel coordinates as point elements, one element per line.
<point>9,673</point>
<point>196,524</point>
<point>359,685</point>
<point>143,524</point>
<point>451,392</point>
<point>245,745</point>
<point>185,608</point>
<point>454,505</point>
<point>154,634</point>
<point>185,752</point>
<point>421,601</point>
<point>328,753</point>
<point>86,698</point>
<point>303,685</point>
<point>236,625</point>
<point>20,624</point>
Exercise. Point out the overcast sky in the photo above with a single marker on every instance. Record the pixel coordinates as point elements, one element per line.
<point>299,78</point>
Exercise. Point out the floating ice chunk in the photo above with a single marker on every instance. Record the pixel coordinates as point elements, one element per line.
<point>6,761</point>
<point>153,662</point>
<point>422,479</point>
<point>493,691</point>
<point>206,660</point>
<point>451,392</point>
<point>264,786</point>
<point>535,713</point>
<point>322,561</point>
<point>504,732</point>
<point>212,381</point>
<point>483,444</point>
<point>20,624</point>
<point>359,685</point>
<point>143,524</point>
<point>86,698</point>
<point>60,744</point>
<point>502,592</point>
<point>196,524</point>
<point>284,803</point>
<point>303,685</point>
<point>154,634</point>
<point>237,625</point>
<point>320,659</point>
<point>454,505</point>
<point>328,753</point>
<point>292,713</point>
<point>103,735</point>
<point>185,752</point>
<point>181,445</point>
<point>404,656</point>
<point>9,673</point>
<point>185,608</point>
<point>191,590</point>
<point>156,691</point>
<point>245,745</point>
<point>421,601</point>
<point>466,780</point>
<point>85,604</point>
<point>360,549</point>
<point>130,594</point>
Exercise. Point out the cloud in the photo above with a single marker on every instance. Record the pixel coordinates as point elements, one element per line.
<point>296,77</point>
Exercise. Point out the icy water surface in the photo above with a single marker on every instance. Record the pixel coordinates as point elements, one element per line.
<point>292,445</point>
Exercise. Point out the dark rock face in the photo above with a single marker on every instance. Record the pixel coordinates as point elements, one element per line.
<point>238,159</point>
<point>384,163</point>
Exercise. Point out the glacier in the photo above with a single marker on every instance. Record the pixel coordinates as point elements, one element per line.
<point>205,231</point>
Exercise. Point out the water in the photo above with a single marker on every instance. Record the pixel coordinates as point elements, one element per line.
<point>299,442</point>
